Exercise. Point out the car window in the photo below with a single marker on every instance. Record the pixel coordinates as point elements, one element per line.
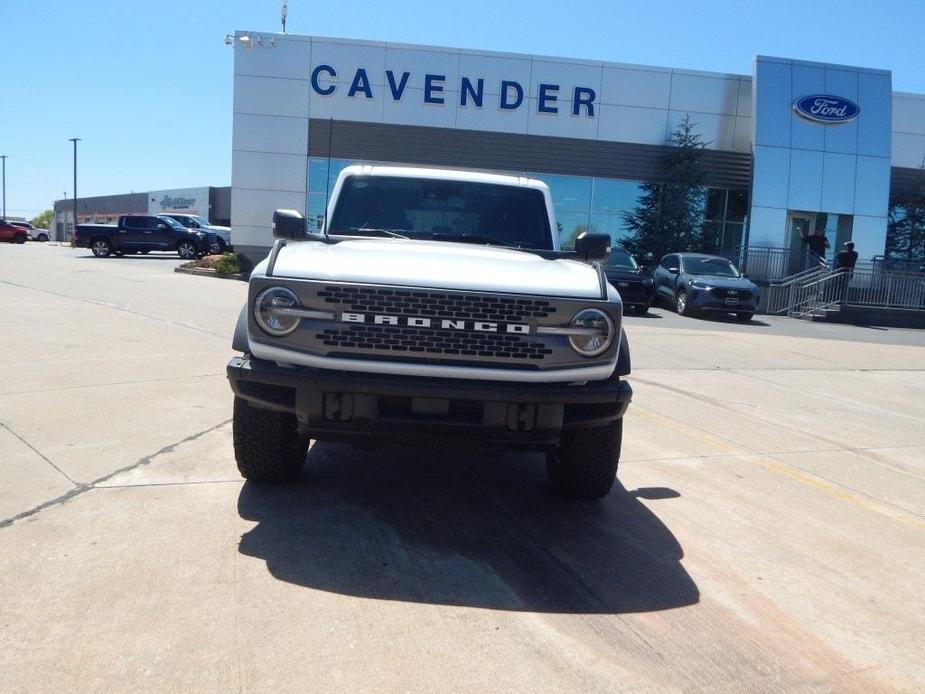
<point>136,222</point>
<point>718,267</point>
<point>443,210</point>
<point>620,258</point>
<point>667,262</point>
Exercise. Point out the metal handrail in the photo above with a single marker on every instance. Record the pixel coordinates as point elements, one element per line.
<point>900,290</point>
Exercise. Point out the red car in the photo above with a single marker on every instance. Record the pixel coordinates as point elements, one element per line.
<point>12,233</point>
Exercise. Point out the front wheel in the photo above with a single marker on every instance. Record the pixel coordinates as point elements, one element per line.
<point>267,445</point>
<point>744,317</point>
<point>642,309</point>
<point>43,237</point>
<point>584,466</point>
<point>187,250</point>
<point>101,248</point>
<point>19,238</point>
<point>681,304</point>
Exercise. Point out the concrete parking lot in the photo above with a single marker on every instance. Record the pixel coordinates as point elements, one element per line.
<point>766,533</point>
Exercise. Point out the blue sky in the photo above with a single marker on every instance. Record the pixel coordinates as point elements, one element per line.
<point>148,85</point>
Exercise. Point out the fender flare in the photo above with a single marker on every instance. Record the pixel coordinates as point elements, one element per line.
<point>623,355</point>
<point>239,343</point>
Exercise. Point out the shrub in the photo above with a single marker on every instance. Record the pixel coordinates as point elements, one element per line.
<point>232,263</point>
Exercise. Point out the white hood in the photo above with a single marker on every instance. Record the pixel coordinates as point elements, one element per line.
<point>435,264</point>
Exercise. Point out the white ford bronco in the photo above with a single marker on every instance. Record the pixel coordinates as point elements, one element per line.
<point>435,304</point>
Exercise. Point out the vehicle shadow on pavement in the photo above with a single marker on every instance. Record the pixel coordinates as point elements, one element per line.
<point>435,526</point>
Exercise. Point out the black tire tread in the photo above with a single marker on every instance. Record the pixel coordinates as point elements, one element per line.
<point>267,444</point>
<point>584,466</point>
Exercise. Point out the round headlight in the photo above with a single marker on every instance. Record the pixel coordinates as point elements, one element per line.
<point>596,332</point>
<point>266,311</point>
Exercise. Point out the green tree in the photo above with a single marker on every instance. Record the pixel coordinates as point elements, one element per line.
<point>905,230</point>
<point>668,217</point>
<point>42,220</point>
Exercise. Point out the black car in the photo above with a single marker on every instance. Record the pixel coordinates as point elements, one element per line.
<point>694,282</point>
<point>636,288</point>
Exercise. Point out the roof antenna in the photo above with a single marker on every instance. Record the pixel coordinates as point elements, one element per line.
<point>283,11</point>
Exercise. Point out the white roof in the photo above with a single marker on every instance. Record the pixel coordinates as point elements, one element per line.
<point>443,175</point>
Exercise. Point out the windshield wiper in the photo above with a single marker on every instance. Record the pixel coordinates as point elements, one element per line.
<point>471,238</point>
<point>371,231</point>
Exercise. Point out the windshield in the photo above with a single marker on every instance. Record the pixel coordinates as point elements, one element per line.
<point>719,267</point>
<point>442,210</point>
<point>172,223</point>
<point>622,259</point>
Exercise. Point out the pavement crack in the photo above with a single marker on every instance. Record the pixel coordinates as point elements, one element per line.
<point>82,487</point>
<point>37,452</point>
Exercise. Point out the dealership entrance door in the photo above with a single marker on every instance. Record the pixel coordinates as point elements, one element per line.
<point>799,225</point>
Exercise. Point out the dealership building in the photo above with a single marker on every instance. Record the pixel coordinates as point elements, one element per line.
<point>209,202</point>
<point>795,147</point>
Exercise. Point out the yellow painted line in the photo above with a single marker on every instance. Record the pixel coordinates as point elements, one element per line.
<point>782,468</point>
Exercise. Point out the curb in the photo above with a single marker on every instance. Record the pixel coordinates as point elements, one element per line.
<point>207,272</point>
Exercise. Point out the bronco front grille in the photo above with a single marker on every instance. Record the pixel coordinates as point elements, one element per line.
<point>433,342</point>
<point>426,303</point>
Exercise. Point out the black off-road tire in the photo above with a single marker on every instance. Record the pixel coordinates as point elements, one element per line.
<point>20,238</point>
<point>744,317</point>
<point>584,466</point>
<point>267,445</point>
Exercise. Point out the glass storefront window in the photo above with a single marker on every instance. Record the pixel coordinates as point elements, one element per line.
<point>568,192</point>
<point>611,224</point>
<point>315,211</point>
<point>571,224</point>
<point>614,196</point>
<point>581,204</point>
<point>737,207</point>
<point>712,235</point>
<point>716,203</point>
<point>318,182</point>
<point>733,233</point>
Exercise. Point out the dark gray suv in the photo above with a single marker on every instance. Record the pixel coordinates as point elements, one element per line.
<point>694,282</point>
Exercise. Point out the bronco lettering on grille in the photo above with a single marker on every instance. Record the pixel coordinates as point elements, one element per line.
<point>436,323</point>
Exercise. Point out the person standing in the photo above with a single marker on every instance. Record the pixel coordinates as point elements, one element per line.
<point>847,257</point>
<point>845,260</point>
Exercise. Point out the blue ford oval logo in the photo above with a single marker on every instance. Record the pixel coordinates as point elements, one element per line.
<point>824,108</point>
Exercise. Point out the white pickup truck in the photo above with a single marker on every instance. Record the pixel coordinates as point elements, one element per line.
<point>434,304</point>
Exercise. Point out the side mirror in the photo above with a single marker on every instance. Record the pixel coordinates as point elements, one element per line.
<point>593,246</point>
<point>289,224</point>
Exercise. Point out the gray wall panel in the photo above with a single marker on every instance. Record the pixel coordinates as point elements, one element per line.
<point>511,152</point>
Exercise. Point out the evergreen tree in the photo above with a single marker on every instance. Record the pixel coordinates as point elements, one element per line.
<point>668,217</point>
<point>905,231</point>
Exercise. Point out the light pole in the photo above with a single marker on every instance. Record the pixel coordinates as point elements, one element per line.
<point>75,140</point>
<point>3,157</point>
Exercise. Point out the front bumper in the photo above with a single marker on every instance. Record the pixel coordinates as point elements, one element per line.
<point>347,406</point>
<point>707,301</point>
<point>633,292</point>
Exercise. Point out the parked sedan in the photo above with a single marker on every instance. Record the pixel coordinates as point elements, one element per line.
<point>694,282</point>
<point>636,288</point>
<point>33,233</point>
<point>12,233</point>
